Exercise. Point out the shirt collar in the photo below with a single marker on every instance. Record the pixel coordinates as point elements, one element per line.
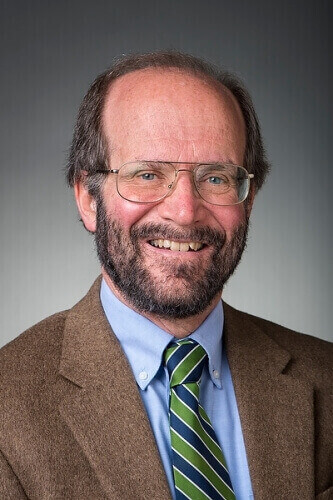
<point>144,342</point>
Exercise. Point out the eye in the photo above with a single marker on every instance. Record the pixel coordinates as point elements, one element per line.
<point>217,180</point>
<point>147,176</point>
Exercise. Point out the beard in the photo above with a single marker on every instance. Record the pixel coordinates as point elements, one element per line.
<point>182,289</point>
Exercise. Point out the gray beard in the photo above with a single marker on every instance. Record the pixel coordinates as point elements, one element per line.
<point>195,288</point>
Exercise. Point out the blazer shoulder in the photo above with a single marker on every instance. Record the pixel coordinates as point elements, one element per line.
<point>311,356</point>
<point>36,350</point>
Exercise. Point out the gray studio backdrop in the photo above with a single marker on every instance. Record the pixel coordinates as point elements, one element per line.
<point>52,50</point>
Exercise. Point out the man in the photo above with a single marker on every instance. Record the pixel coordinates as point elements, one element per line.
<point>165,163</point>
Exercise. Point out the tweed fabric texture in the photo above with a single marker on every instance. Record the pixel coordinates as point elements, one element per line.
<point>67,430</point>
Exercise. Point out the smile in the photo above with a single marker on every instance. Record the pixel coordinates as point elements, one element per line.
<point>176,246</point>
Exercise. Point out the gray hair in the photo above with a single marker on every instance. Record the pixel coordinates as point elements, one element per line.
<point>89,150</point>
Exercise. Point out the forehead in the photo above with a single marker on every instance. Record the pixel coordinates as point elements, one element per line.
<point>172,109</point>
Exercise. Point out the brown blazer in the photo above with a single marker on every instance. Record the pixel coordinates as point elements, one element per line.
<point>73,426</point>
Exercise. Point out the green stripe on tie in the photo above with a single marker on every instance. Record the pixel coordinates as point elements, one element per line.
<point>199,467</point>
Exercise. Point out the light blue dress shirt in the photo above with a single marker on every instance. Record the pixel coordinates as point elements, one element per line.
<point>144,343</point>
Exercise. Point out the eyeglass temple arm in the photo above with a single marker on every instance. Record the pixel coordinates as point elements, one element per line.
<point>107,171</point>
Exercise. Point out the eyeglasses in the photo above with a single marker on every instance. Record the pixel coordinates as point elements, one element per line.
<point>151,181</point>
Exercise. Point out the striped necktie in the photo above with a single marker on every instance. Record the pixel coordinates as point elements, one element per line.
<point>199,467</point>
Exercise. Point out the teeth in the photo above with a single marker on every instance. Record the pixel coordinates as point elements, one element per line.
<point>175,246</point>
<point>195,245</point>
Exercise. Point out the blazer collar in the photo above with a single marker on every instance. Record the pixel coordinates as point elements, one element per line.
<point>116,438</point>
<point>276,410</point>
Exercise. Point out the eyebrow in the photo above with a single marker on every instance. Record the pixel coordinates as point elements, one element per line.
<point>228,161</point>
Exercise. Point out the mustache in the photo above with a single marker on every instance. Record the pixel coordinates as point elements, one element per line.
<point>205,235</point>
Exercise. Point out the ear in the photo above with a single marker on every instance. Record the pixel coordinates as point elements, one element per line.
<point>86,205</point>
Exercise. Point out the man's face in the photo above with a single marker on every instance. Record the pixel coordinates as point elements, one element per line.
<point>172,116</point>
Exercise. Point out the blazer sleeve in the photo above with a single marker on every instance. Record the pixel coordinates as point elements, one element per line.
<point>10,487</point>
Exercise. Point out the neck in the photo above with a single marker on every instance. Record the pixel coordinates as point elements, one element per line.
<point>177,327</point>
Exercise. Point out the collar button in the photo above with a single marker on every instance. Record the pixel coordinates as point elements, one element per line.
<point>143,375</point>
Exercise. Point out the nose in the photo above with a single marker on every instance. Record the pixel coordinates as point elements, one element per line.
<point>183,205</point>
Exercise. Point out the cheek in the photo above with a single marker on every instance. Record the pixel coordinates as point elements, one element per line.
<point>230,218</point>
<point>123,211</point>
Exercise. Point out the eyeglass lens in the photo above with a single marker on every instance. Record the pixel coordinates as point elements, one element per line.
<point>147,182</point>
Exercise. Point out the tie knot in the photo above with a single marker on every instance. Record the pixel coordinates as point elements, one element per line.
<point>184,360</point>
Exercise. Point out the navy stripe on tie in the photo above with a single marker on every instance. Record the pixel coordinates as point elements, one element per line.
<point>195,476</point>
<point>178,355</point>
<point>191,437</point>
<point>195,374</point>
<point>180,495</point>
<point>187,397</point>
<point>194,461</point>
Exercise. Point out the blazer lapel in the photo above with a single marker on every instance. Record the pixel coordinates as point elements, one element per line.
<point>103,407</point>
<point>104,411</point>
<point>276,411</point>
